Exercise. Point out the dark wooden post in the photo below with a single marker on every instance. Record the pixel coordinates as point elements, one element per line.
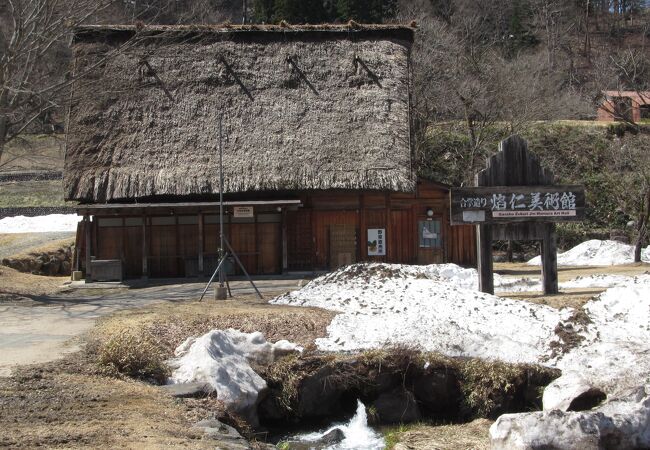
<point>549,260</point>
<point>485,266</point>
<point>200,261</point>
<point>285,261</point>
<point>145,248</point>
<point>88,250</point>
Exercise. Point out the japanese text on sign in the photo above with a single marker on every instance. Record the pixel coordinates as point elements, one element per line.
<point>503,204</point>
<point>376,241</point>
<point>535,201</point>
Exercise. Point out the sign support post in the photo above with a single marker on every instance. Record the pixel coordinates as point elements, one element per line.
<point>515,198</point>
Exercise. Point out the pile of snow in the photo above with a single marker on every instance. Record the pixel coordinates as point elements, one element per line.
<point>223,360</point>
<point>357,434</point>
<point>613,359</point>
<point>434,308</point>
<point>39,224</point>
<point>597,253</point>
<point>468,278</point>
<point>614,353</point>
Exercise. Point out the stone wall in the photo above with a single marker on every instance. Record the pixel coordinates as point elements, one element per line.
<point>56,262</point>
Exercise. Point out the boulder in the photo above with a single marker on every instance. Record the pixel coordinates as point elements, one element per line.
<point>571,392</point>
<point>438,392</point>
<point>188,390</point>
<point>333,437</point>
<point>397,406</point>
<point>619,424</point>
<point>228,438</point>
<point>319,398</point>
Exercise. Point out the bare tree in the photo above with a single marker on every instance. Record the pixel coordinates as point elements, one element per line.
<point>632,169</point>
<point>33,59</point>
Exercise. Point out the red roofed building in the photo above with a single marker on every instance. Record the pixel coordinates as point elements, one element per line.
<point>630,106</point>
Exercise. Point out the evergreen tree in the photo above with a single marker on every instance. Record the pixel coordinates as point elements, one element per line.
<point>299,11</point>
<point>366,11</point>
<point>263,11</point>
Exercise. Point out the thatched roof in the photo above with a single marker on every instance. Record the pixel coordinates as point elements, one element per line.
<point>309,107</point>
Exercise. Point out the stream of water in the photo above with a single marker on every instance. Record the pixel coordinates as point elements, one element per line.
<point>358,435</point>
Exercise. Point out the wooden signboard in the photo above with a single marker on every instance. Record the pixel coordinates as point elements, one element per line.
<point>508,204</point>
<point>515,199</point>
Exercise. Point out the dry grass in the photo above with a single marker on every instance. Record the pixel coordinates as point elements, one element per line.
<point>467,436</point>
<point>33,152</point>
<point>568,273</point>
<point>50,247</point>
<point>487,388</point>
<point>171,324</point>
<point>14,284</point>
<point>9,239</point>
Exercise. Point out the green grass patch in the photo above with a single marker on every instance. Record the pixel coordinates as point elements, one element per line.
<point>15,194</point>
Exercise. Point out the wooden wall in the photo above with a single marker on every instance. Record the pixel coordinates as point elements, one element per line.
<point>300,241</point>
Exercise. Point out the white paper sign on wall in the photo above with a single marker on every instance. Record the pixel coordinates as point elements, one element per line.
<point>243,211</point>
<point>376,241</point>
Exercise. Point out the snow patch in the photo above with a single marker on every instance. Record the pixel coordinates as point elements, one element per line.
<point>435,308</point>
<point>597,253</point>
<point>39,224</point>
<point>614,353</point>
<point>613,358</point>
<point>223,360</point>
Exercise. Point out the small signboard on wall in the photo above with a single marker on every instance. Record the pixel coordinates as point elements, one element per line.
<point>243,211</point>
<point>376,241</point>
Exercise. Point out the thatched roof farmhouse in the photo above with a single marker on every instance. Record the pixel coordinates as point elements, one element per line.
<point>306,108</point>
<point>316,143</point>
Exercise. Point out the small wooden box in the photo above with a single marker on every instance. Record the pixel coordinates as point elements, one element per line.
<point>106,270</point>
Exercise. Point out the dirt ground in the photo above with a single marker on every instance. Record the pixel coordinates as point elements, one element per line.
<point>60,405</point>
<point>572,298</point>
<point>16,244</point>
<point>474,435</point>
<point>70,404</point>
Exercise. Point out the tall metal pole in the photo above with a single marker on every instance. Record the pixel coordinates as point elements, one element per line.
<point>221,245</point>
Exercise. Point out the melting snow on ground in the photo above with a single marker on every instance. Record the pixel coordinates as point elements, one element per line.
<point>433,307</point>
<point>222,359</point>
<point>437,308</point>
<point>597,253</point>
<point>39,224</point>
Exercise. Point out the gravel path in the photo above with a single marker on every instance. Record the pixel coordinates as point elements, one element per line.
<point>13,244</point>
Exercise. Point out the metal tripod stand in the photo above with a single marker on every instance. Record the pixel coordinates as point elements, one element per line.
<point>225,254</point>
